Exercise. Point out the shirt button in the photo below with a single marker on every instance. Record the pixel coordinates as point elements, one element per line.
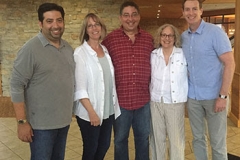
<point>133,73</point>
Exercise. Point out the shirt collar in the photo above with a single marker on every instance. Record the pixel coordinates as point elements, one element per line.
<point>45,42</point>
<point>90,50</point>
<point>139,30</point>
<point>200,28</point>
<point>160,53</point>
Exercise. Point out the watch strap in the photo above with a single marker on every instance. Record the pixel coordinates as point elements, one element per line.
<point>21,121</point>
<point>222,96</point>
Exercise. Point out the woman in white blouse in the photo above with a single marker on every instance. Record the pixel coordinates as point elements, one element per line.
<point>95,90</point>
<point>168,91</point>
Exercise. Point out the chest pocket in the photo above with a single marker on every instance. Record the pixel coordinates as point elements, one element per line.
<point>180,65</point>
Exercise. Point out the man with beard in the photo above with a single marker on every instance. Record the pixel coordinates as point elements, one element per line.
<point>42,87</point>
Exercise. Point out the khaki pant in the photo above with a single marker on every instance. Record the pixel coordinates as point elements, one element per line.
<point>167,121</point>
<point>202,119</point>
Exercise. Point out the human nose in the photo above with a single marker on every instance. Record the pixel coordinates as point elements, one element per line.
<point>191,11</point>
<point>94,26</point>
<point>55,24</point>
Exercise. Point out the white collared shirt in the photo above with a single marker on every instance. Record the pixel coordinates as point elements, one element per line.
<point>90,82</point>
<point>169,82</point>
<point>162,75</point>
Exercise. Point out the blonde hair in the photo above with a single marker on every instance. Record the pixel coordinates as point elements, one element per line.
<point>177,39</point>
<point>83,34</point>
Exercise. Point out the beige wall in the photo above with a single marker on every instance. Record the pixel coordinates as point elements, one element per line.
<point>19,23</point>
<point>152,25</point>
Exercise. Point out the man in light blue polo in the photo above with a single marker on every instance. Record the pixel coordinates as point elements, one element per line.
<point>210,67</point>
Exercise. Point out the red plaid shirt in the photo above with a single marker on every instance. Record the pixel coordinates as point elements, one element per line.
<point>132,66</point>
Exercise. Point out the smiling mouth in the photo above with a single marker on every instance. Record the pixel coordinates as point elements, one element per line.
<point>95,32</point>
<point>56,31</point>
<point>191,18</point>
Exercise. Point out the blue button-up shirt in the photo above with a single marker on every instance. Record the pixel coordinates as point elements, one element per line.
<point>202,50</point>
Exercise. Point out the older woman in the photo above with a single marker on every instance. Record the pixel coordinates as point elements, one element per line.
<point>168,91</point>
<point>95,89</point>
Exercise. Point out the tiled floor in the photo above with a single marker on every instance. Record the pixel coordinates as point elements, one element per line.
<point>11,148</point>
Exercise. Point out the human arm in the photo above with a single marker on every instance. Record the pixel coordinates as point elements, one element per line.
<point>24,130</point>
<point>229,66</point>
<point>83,79</point>
<point>94,119</point>
<point>21,75</point>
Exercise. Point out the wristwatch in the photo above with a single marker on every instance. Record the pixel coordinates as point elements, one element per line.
<point>21,121</point>
<point>222,96</point>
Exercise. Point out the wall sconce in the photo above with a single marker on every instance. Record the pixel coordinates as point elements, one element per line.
<point>231,31</point>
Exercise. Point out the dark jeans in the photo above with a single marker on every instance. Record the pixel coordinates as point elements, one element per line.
<point>140,121</point>
<point>49,144</point>
<point>96,139</point>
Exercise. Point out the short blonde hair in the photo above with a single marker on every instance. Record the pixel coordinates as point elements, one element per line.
<point>83,34</point>
<point>177,39</point>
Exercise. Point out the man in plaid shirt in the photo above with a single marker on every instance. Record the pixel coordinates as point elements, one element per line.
<point>130,48</point>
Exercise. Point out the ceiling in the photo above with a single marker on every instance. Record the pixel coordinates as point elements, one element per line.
<point>150,9</point>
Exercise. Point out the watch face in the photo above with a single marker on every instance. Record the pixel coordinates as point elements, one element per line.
<point>222,96</point>
<point>22,121</point>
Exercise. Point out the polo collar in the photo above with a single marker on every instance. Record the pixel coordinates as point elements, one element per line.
<point>200,28</point>
<point>45,42</point>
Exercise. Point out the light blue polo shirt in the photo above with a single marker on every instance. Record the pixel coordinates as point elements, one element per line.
<point>202,50</point>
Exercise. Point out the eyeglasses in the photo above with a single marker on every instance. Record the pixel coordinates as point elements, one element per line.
<point>170,36</point>
<point>90,26</point>
<point>126,15</point>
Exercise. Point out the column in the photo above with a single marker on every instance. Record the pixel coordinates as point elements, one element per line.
<point>235,96</point>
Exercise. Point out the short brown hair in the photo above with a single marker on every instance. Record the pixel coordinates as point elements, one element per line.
<point>199,1</point>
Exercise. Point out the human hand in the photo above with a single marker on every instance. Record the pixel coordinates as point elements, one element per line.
<point>220,105</point>
<point>25,132</point>
<point>94,119</point>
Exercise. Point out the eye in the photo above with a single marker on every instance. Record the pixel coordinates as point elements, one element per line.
<point>60,20</point>
<point>49,21</point>
<point>170,36</point>
<point>90,26</point>
<point>126,15</point>
<point>97,24</point>
<point>134,14</point>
